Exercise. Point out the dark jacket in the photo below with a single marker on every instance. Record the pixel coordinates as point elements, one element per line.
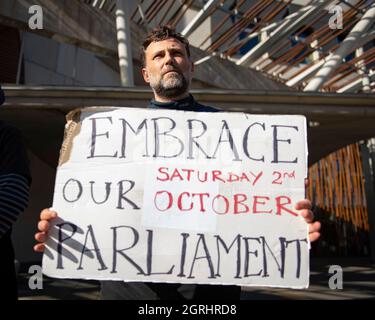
<point>187,104</point>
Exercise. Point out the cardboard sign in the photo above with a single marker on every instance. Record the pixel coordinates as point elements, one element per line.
<point>156,195</point>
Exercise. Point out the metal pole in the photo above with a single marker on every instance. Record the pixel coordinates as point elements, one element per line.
<point>356,85</point>
<point>362,71</point>
<point>124,43</point>
<point>305,15</point>
<point>303,75</point>
<point>200,16</point>
<point>347,46</point>
<point>20,59</point>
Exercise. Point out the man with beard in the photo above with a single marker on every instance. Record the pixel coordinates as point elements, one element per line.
<point>168,69</point>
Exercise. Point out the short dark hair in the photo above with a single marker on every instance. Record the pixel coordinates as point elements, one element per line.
<point>162,33</point>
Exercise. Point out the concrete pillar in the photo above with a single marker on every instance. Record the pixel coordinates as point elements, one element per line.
<point>124,43</point>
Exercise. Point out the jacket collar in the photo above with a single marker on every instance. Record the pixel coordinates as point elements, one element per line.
<point>187,104</point>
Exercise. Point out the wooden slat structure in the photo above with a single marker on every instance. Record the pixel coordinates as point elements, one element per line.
<point>336,187</point>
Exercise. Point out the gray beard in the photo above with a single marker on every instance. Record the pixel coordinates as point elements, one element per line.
<point>171,88</point>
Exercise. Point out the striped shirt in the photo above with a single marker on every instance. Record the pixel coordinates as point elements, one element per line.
<point>14,195</point>
<point>14,177</point>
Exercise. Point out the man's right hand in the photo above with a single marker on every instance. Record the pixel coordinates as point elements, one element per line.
<point>43,226</point>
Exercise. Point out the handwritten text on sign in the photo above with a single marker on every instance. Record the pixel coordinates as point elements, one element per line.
<point>173,196</point>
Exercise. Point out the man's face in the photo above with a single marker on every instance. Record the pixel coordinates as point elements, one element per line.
<point>168,69</point>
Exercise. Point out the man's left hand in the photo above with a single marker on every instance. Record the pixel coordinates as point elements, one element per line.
<point>314,227</point>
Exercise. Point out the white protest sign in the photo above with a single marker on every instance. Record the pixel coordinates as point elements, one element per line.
<point>171,196</point>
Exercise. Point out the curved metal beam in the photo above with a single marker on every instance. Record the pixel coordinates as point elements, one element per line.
<point>346,47</point>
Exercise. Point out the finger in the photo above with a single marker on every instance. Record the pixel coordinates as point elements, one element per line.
<point>314,227</point>
<point>39,247</point>
<point>314,236</point>
<point>308,215</point>
<point>306,182</point>
<point>43,226</point>
<point>41,236</point>
<point>303,204</point>
<point>47,214</point>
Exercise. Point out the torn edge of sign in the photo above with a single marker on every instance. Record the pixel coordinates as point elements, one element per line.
<point>72,129</point>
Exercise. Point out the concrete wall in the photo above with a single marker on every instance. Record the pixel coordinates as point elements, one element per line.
<point>47,62</point>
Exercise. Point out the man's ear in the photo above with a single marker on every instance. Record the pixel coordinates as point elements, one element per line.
<point>145,75</point>
<point>192,67</point>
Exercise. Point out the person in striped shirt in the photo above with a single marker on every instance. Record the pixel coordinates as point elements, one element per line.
<point>15,181</point>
